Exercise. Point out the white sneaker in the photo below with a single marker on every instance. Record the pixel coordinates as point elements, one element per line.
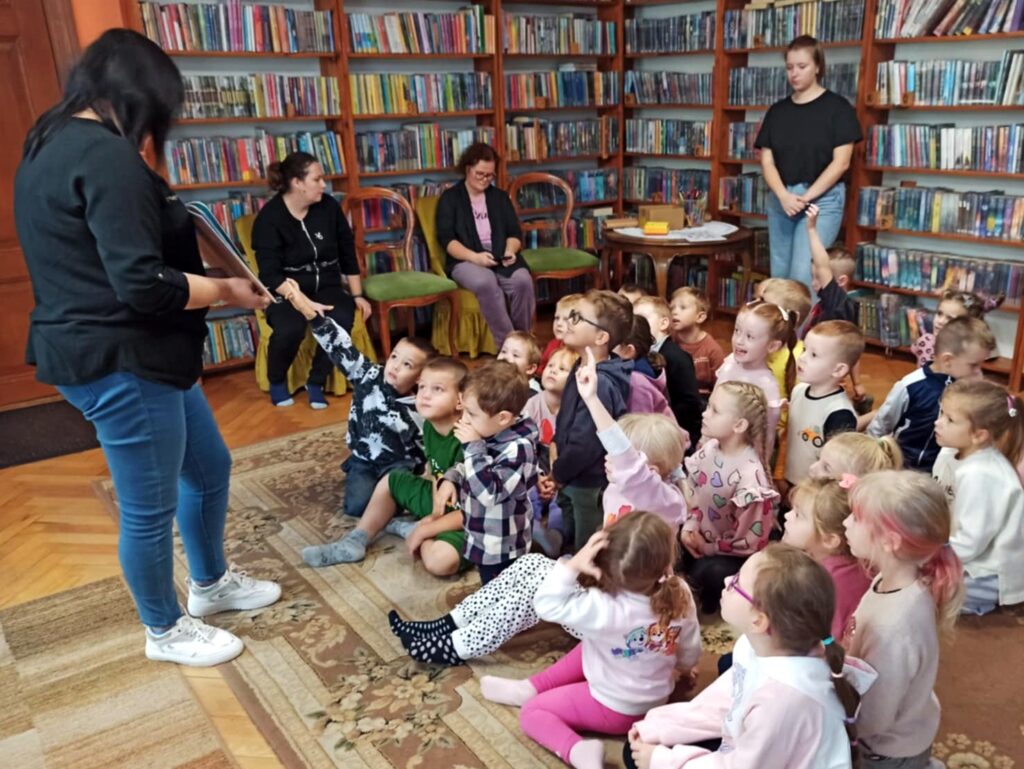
<point>191,642</point>
<point>232,592</point>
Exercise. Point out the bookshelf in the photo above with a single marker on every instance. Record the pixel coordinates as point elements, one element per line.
<point>659,86</point>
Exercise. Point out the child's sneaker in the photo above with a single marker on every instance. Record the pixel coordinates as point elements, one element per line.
<point>233,592</point>
<point>192,642</point>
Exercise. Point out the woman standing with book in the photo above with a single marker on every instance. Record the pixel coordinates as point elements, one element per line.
<point>479,230</point>
<point>806,142</point>
<point>118,328</point>
<point>301,234</point>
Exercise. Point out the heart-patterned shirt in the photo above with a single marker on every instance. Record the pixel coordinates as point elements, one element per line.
<point>729,500</point>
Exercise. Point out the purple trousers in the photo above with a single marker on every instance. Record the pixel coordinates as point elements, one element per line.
<point>491,289</point>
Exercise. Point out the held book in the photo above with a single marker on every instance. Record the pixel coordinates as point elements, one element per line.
<point>219,253</point>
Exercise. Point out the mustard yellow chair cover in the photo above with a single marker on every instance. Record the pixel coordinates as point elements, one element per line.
<point>298,373</point>
<point>473,335</point>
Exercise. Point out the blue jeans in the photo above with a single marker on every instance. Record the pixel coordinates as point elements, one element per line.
<point>168,461</point>
<point>787,235</point>
<point>982,594</point>
<point>361,479</point>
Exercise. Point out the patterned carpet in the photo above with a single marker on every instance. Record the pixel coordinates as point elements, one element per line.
<point>76,692</point>
<point>331,687</point>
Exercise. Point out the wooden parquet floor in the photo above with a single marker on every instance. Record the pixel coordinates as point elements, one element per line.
<point>55,534</point>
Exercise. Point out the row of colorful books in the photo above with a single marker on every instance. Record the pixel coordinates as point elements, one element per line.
<point>468,30</point>
<point>731,291</point>
<point>741,139</point>
<point>219,159</point>
<point>932,272</point>
<point>530,138</point>
<point>917,18</point>
<point>230,339</point>
<point>668,87</point>
<point>952,82</point>
<point>417,146</point>
<point>403,94</point>
<point>563,34</point>
<point>760,24</point>
<point>588,186</point>
<point>648,183</point>
<point>661,136</point>
<point>987,215</point>
<point>744,192</point>
<point>692,32</point>
<point>766,85</point>
<point>947,147</point>
<point>564,88</point>
<point>262,95</point>
<point>232,26</point>
<point>227,211</point>
<point>586,232</point>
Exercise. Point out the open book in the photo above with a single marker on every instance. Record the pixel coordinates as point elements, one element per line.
<point>220,255</point>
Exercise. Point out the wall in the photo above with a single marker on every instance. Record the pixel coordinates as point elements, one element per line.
<point>93,17</point>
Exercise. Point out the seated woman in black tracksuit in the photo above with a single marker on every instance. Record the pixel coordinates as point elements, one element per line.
<point>302,234</point>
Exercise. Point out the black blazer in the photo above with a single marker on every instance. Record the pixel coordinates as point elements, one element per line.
<point>683,391</point>
<point>455,222</point>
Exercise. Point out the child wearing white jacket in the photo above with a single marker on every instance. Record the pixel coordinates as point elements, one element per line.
<point>790,699</point>
<point>638,623</point>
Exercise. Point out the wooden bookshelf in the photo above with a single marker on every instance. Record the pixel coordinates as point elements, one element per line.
<point>943,172</point>
<point>1010,307</point>
<point>420,115</point>
<point>277,119</point>
<point>943,236</point>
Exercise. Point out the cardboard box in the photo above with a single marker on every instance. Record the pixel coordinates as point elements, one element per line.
<point>674,215</point>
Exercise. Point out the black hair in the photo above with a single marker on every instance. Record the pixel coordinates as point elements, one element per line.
<point>294,166</point>
<point>128,81</point>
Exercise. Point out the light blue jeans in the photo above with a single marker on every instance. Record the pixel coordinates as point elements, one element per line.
<point>787,235</point>
<point>168,460</point>
<point>982,594</point>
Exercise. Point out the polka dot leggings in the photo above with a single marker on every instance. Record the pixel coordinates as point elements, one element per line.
<point>501,609</point>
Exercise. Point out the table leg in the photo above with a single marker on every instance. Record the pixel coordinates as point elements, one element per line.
<point>661,266</point>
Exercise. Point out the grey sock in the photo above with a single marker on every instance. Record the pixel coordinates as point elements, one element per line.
<point>348,549</point>
<point>401,527</point>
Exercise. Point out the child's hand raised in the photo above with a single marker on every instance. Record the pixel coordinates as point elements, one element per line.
<point>812,216</point>
<point>583,561</point>
<point>586,377</point>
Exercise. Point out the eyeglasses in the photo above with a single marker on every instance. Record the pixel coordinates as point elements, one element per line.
<point>733,583</point>
<point>574,318</point>
<point>482,177</point>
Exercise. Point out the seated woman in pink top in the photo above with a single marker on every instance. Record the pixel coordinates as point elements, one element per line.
<point>479,231</point>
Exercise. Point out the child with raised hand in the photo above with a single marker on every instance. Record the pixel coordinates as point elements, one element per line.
<point>818,406</point>
<point>952,304</point>
<point>790,699</point>
<point>981,428</point>
<point>912,405</point>
<point>558,327</point>
<point>689,312</point>
<point>437,540</point>
<point>900,524</point>
<point>728,490</point>
<point>522,351</point>
<point>681,386</point>
<point>761,329</point>
<point>548,525</point>
<point>647,379</point>
<point>383,432</point>
<point>856,454</point>
<point>644,455</point>
<point>637,623</point>
<point>814,524</point>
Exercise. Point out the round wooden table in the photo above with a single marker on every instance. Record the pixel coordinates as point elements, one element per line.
<point>662,251</point>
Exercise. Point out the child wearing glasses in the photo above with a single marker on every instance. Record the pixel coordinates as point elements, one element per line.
<point>789,700</point>
<point>601,321</point>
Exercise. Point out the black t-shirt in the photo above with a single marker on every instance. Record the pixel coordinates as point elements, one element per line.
<point>833,304</point>
<point>802,136</point>
<point>106,243</point>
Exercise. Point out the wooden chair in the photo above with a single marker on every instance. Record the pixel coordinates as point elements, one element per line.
<point>553,262</point>
<point>473,335</point>
<point>403,286</point>
<point>298,372</point>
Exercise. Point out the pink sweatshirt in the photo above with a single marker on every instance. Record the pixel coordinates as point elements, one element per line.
<point>628,658</point>
<point>770,712</point>
<point>731,371</point>
<point>647,395</point>
<point>634,485</point>
<point>851,581</point>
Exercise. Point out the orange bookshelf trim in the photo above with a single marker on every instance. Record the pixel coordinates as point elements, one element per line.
<point>229,365</point>
<point>743,107</point>
<point>950,38</point>
<point>659,54</point>
<point>780,48</point>
<point>944,172</point>
<point>254,54</point>
<point>1010,307</point>
<point>742,161</point>
<point>950,108</point>
<point>519,110</point>
<point>946,236</point>
<point>442,56</point>
<point>555,159</point>
<point>578,204</point>
<point>237,183</point>
<point>666,155</point>
<point>667,105</point>
<point>744,214</point>
<point>407,172</point>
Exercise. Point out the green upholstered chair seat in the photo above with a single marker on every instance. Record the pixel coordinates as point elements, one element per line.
<point>395,286</point>
<point>553,259</point>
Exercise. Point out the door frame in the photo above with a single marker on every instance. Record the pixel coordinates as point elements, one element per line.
<point>60,26</point>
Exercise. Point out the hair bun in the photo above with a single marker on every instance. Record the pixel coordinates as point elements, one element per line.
<point>275,177</point>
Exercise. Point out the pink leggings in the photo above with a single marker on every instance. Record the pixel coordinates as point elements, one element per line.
<point>564,703</point>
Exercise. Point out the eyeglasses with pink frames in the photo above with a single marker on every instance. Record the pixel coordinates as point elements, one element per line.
<point>733,583</point>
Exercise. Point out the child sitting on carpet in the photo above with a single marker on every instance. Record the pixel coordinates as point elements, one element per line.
<point>638,625</point>
<point>789,701</point>
<point>856,454</point>
<point>901,526</point>
<point>558,327</point>
<point>689,312</point>
<point>522,351</point>
<point>439,540</point>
